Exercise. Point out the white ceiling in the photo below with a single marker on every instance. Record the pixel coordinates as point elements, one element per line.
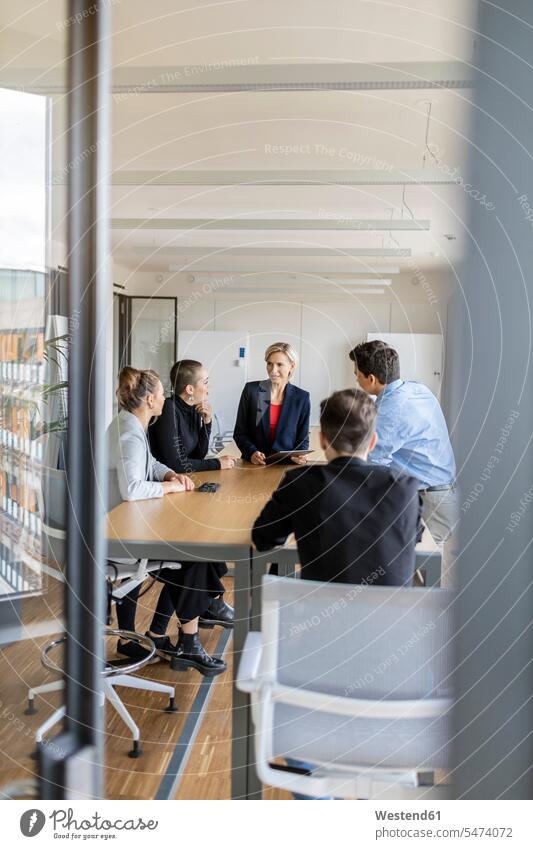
<point>179,32</point>
<point>379,130</point>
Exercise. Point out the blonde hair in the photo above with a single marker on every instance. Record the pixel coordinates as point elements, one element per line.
<point>283,348</point>
<point>134,385</point>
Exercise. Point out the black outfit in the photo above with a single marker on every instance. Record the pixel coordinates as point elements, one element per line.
<point>353,521</point>
<point>179,438</point>
<point>186,592</point>
<point>252,428</point>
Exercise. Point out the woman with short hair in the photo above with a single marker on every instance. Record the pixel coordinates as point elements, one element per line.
<point>179,438</point>
<point>273,414</point>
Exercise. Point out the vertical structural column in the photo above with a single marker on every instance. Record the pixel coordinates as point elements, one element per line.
<point>80,771</point>
<point>492,382</point>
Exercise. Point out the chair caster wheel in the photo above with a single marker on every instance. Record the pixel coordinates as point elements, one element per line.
<point>136,752</point>
<point>171,707</point>
<point>31,709</point>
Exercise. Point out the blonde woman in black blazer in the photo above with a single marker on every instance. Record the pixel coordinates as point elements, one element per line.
<point>273,414</point>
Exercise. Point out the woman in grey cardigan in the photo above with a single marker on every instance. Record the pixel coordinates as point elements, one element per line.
<point>134,474</point>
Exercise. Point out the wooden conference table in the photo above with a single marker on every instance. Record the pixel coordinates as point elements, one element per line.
<point>216,526</point>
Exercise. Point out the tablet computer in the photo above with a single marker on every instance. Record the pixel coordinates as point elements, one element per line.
<point>284,455</point>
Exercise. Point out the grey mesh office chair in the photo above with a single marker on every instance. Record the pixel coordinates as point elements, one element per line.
<point>355,680</point>
<point>115,673</point>
<point>220,437</point>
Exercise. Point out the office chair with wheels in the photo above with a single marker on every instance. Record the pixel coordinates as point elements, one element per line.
<point>221,438</point>
<point>355,681</point>
<point>115,672</point>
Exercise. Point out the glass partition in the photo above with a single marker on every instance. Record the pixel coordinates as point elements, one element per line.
<point>21,380</point>
<point>31,580</point>
<point>152,335</point>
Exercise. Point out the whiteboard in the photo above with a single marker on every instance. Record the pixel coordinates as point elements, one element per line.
<point>420,356</point>
<point>219,350</point>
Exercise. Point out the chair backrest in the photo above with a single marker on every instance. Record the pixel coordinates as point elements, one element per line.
<point>219,435</point>
<point>384,650</point>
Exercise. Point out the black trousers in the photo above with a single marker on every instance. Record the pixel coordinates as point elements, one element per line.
<point>186,592</point>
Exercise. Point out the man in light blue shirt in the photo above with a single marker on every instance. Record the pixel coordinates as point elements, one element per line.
<point>412,434</point>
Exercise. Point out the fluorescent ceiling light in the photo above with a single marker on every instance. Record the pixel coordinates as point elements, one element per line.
<point>205,251</point>
<point>295,291</point>
<point>298,177</point>
<point>378,281</point>
<point>327,223</point>
<point>309,282</point>
<point>323,272</point>
<point>220,76</point>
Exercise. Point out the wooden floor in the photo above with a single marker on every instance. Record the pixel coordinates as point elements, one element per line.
<point>140,778</point>
<point>20,668</point>
<point>207,774</point>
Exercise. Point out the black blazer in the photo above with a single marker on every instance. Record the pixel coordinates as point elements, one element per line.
<point>252,428</point>
<point>354,522</point>
<point>180,439</point>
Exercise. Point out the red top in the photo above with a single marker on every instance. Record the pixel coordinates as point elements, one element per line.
<point>275,412</point>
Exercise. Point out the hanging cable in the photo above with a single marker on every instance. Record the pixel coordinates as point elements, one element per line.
<point>391,237</point>
<point>426,140</point>
<point>405,204</point>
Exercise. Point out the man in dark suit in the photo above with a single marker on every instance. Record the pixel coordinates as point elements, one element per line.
<point>354,521</point>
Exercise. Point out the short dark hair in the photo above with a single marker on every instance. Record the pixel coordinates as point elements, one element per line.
<point>182,373</point>
<point>377,358</point>
<point>348,419</point>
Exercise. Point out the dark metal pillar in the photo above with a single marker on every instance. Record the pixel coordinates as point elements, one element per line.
<point>492,381</point>
<point>73,767</point>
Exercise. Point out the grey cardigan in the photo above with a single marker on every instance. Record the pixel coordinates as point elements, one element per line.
<point>133,473</point>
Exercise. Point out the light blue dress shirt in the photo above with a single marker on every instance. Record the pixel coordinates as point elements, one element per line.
<point>412,434</point>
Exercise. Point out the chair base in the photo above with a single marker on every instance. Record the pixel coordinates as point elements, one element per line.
<point>108,692</point>
<point>136,752</point>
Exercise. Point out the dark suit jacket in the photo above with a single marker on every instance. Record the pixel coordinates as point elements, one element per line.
<point>252,428</point>
<point>354,522</point>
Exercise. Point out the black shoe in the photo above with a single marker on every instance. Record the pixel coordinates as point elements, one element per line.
<point>134,651</point>
<point>218,613</point>
<point>190,654</point>
<point>163,646</point>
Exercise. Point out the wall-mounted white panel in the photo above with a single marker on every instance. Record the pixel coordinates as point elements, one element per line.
<point>420,356</point>
<point>409,317</point>
<point>266,322</point>
<point>329,332</point>
<point>219,352</point>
